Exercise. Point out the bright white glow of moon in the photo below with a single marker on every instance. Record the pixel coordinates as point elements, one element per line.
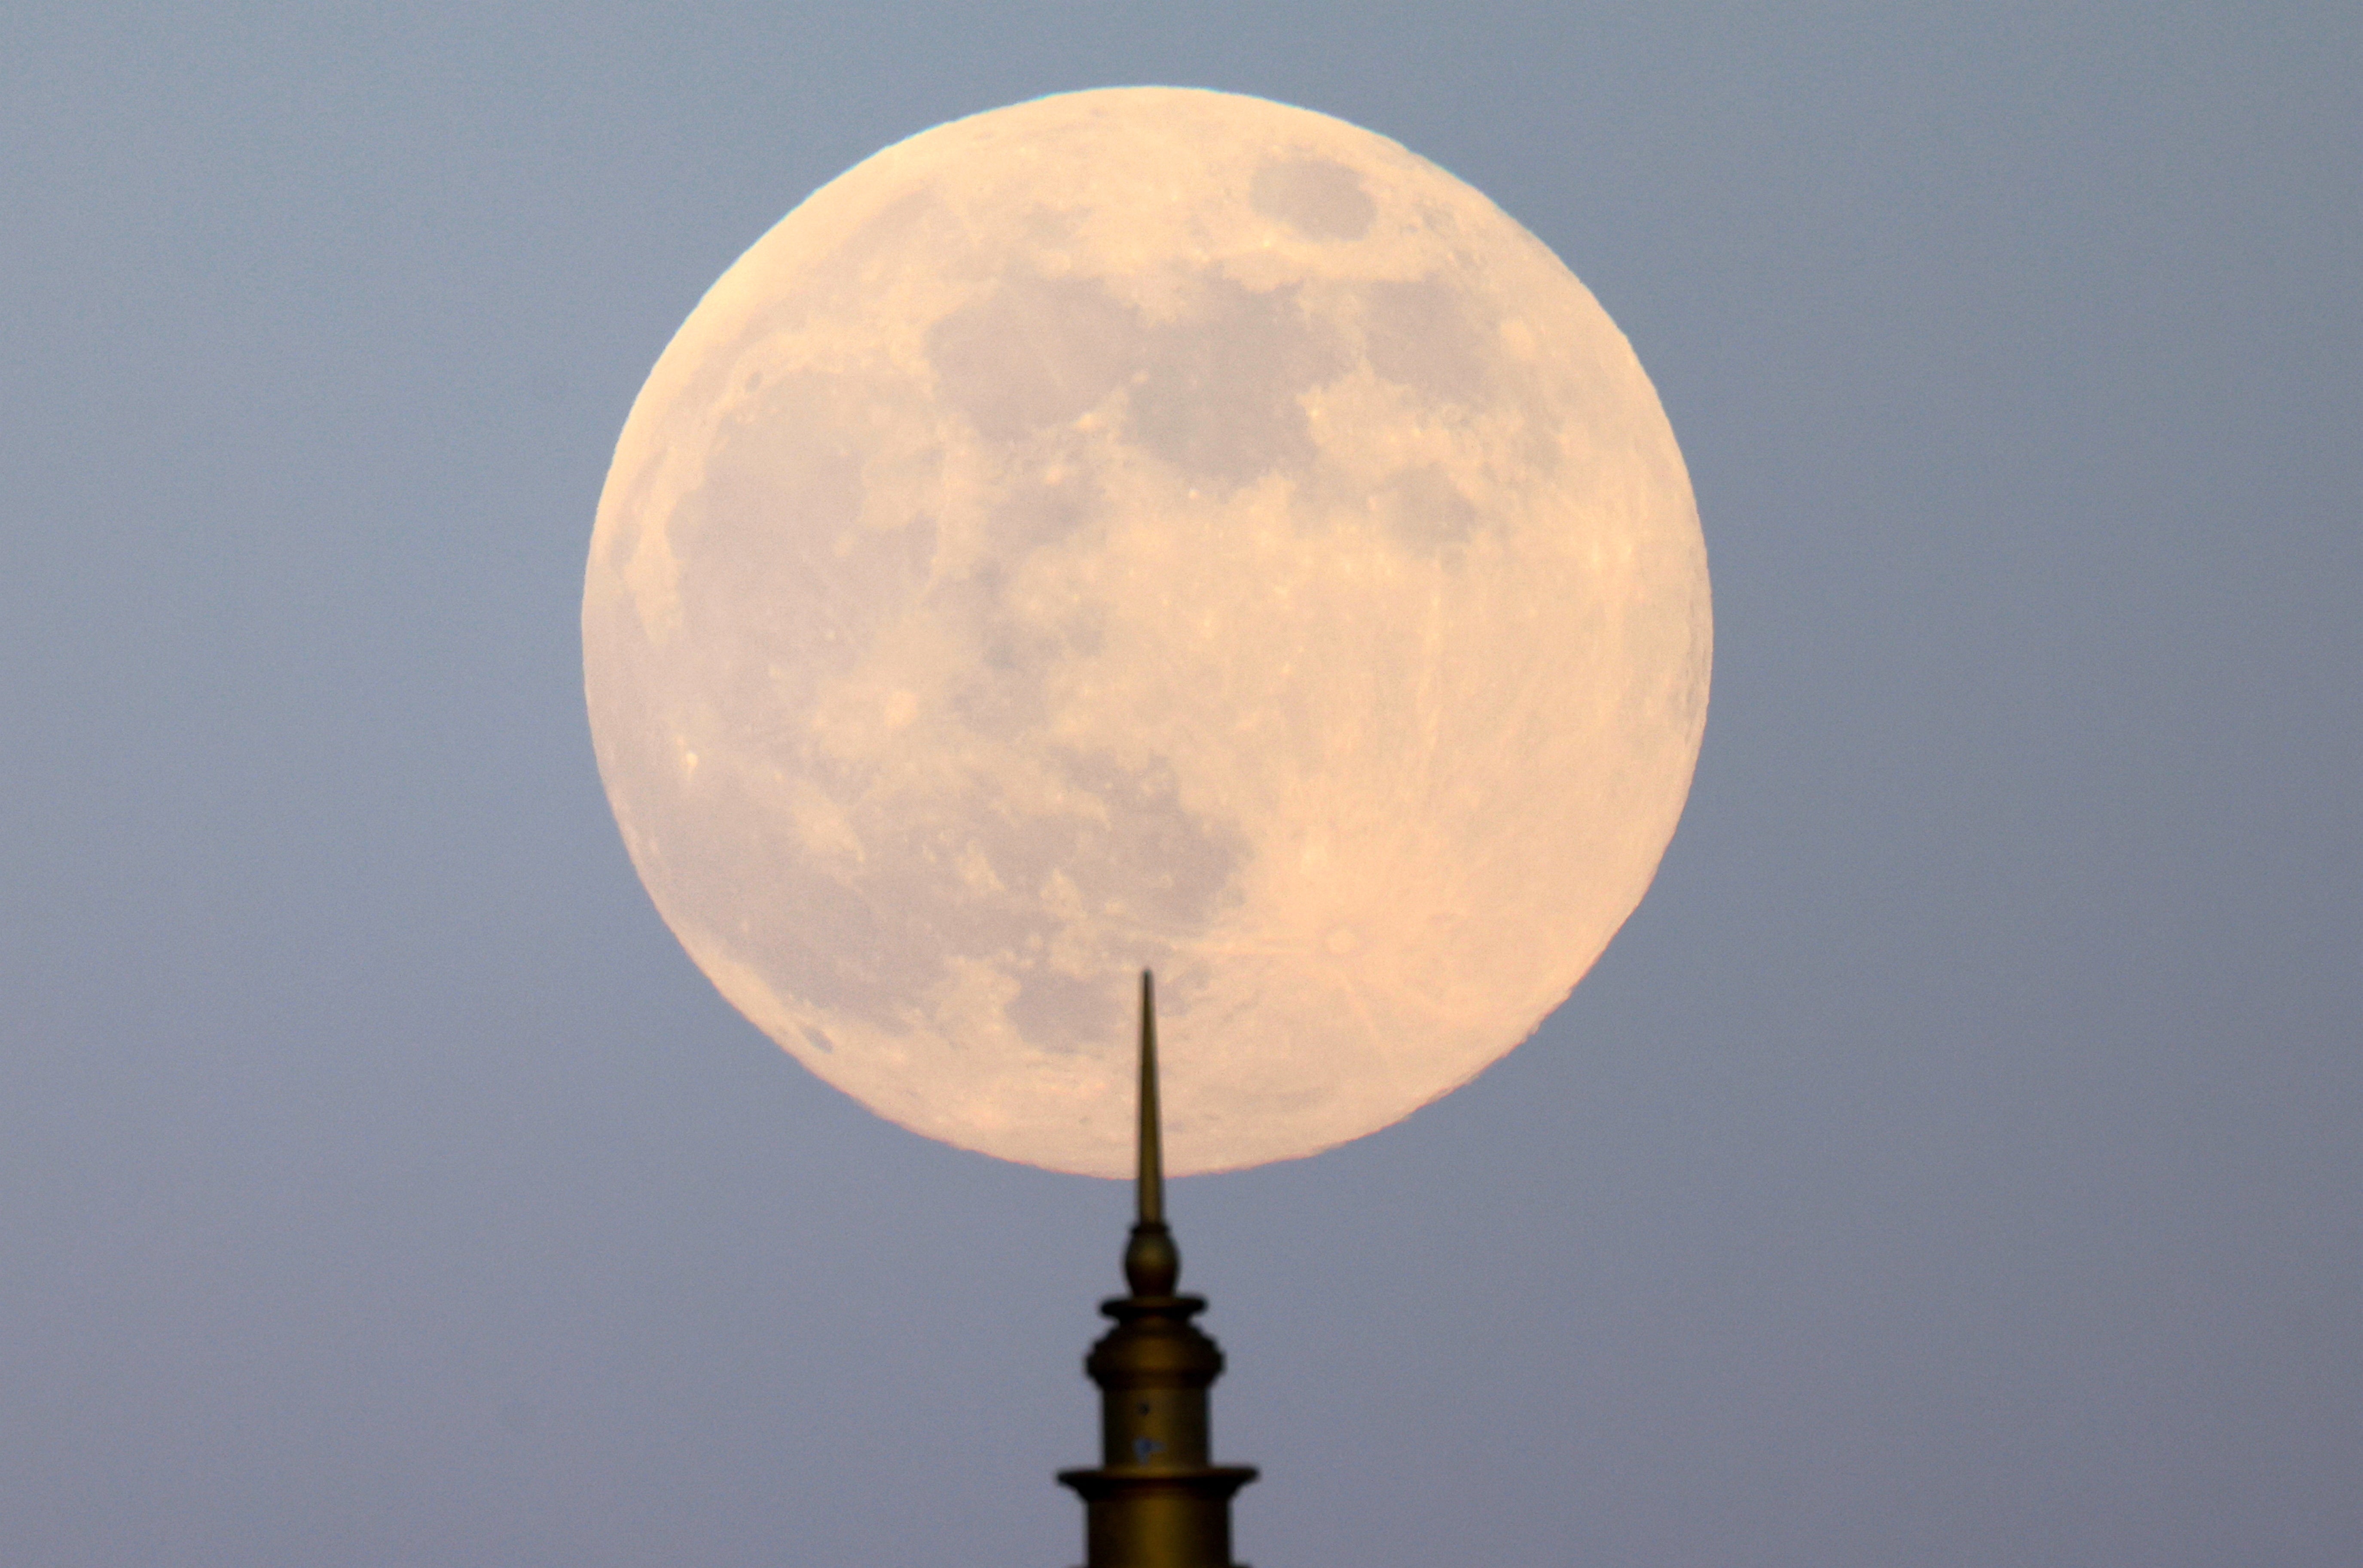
<point>1147,527</point>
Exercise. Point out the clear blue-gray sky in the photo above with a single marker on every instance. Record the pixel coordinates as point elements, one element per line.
<point>1955,1161</point>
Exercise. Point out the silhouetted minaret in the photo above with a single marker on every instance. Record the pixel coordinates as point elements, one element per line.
<point>1155,1501</point>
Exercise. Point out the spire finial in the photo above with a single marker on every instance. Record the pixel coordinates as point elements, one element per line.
<point>1152,1263</point>
<point>1152,1148</point>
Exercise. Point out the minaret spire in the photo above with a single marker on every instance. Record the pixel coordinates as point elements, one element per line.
<point>1155,1501</point>
<point>1152,1263</point>
<point>1152,1133</point>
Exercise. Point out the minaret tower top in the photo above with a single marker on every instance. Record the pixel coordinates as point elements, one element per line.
<point>1156,1501</point>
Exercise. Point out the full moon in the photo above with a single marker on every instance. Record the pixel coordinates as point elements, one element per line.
<point>1146,528</point>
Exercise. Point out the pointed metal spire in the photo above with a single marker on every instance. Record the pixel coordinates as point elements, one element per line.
<point>1157,1499</point>
<point>1153,1147</point>
<point>1152,1263</point>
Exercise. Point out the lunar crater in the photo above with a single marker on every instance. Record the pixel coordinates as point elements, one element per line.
<point>1034,352</point>
<point>1319,198</point>
<point>1217,394</point>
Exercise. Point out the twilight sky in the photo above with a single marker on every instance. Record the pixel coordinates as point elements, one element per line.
<point>1955,1162</point>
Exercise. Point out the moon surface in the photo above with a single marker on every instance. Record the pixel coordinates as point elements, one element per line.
<point>1147,527</point>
